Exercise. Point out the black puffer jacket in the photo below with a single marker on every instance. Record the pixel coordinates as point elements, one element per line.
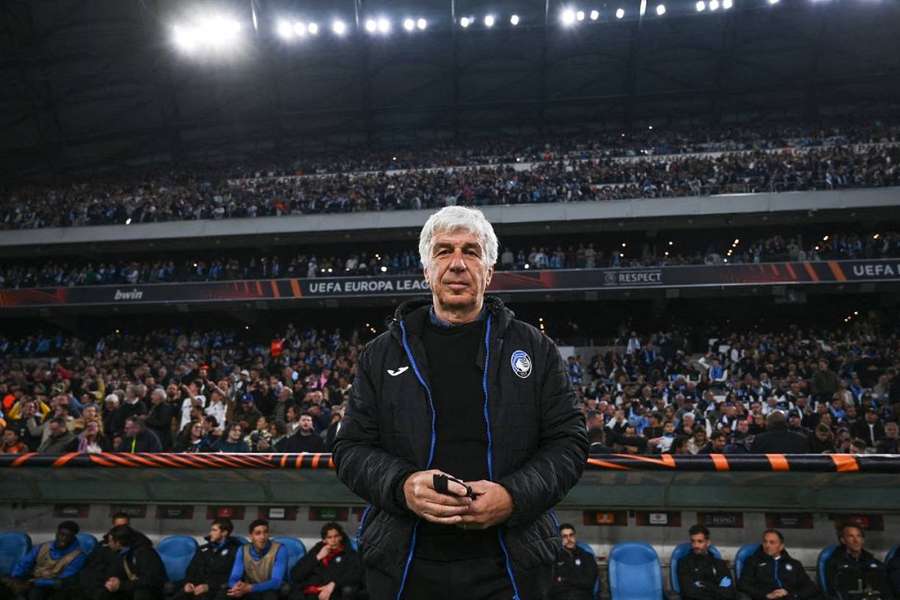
<point>763,575</point>
<point>537,435</point>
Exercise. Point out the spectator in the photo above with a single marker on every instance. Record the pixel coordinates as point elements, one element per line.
<point>822,440</point>
<point>852,572</point>
<point>304,440</point>
<point>331,569</point>
<point>138,439</point>
<point>870,430</point>
<point>91,440</point>
<point>207,574</point>
<point>701,576</point>
<point>59,440</point>
<point>575,570</point>
<point>772,573</point>
<point>234,440</point>
<point>889,444</point>
<point>260,568</point>
<point>778,440</point>
<point>193,440</point>
<point>11,442</point>
<point>50,570</point>
<point>160,416</point>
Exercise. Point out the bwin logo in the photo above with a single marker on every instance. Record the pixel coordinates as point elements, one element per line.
<point>521,363</point>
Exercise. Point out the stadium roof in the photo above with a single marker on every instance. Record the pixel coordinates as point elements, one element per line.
<point>106,83</point>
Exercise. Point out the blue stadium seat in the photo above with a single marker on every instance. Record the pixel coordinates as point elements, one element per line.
<point>176,552</point>
<point>824,555</point>
<point>87,542</point>
<point>635,572</point>
<point>241,539</point>
<point>680,551</point>
<point>13,546</point>
<point>295,548</point>
<point>745,552</point>
<point>891,553</point>
<point>587,548</point>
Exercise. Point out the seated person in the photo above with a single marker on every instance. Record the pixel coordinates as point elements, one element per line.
<point>771,573</point>
<point>260,568</point>
<point>701,575</point>
<point>135,572</point>
<point>853,573</point>
<point>575,571</point>
<point>51,569</point>
<point>207,575</point>
<point>331,569</point>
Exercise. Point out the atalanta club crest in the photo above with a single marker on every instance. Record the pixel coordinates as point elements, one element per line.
<point>521,363</point>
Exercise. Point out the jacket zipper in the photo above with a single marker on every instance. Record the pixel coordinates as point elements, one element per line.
<point>415,368</point>
<point>490,448</point>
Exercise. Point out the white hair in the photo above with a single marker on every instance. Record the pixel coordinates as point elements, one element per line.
<point>455,218</point>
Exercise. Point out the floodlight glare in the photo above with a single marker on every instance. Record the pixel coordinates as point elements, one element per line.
<point>620,13</point>
<point>714,5</point>
<point>384,25</point>
<point>185,38</point>
<point>701,5</point>
<point>595,14</point>
<point>339,27</point>
<point>300,28</point>
<point>727,4</point>
<point>371,25</point>
<point>313,29</point>
<point>773,2</point>
<point>465,22</point>
<point>514,20</point>
<point>579,16</point>
<point>409,24</point>
<point>568,17</point>
<point>421,24</point>
<point>285,29</point>
<point>489,21</point>
<point>661,10</point>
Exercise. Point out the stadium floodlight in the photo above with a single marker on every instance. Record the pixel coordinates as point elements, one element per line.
<point>489,21</point>
<point>421,24</point>
<point>514,20</point>
<point>579,15</point>
<point>701,5</point>
<point>773,2</point>
<point>567,17</point>
<point>384,25</point>
<point>714,5</point>
<point>313,28</point>
<point>661,10</point>
<point>285,29</point>
<point>595,14</point>
<point>339,27</point>
<point>620,13</point>
<point>300,28</point>
<point>185,38</point>
<point>727,4</point>
<point>465,22</point>
<point>371,25</point>
<point>409,24</point>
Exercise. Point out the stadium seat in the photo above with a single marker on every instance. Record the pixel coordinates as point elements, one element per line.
<point>241,539</point>
<point>13,546</point>
<point>176,552</point>
<point>295,548</point>
<point>634,572</point>
<point>891,553</point>
<point>745,552</point>
<point>680,551</point>
<point>587,548</point>
<point>824,555</point>
<point>87,542</point>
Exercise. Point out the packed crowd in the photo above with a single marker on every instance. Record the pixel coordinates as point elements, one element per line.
<point>605,169</point>
<point>828,391</point>
<point>586,255</point>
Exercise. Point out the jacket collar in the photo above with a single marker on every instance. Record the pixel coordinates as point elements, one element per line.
<point>415,314</point>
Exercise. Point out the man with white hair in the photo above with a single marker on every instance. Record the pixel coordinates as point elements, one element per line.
<point>462,433</point>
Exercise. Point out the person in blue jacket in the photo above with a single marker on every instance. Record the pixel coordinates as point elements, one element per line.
<point>50,570</point>
<point>260,568</point>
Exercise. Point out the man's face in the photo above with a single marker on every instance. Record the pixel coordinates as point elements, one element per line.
<point>306,423</point>
<point>260,536</point>
<point>699,544</point>
<point>568,539</point>
<point>234,434</point>
<point>64,537</point>
<point>772,545</point>
<point>10,437</point>
<point>719,444</point>
<point>131,428</point>
<point>872,417</point>
<point>852,538</point>
<point>457,273</point>
<point>333,539</point>
<point>217,534</point>
<point>891,430</point>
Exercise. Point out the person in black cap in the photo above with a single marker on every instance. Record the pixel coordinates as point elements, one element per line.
<point>50,570</point>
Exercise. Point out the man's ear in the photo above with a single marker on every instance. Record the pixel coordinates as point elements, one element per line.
<point>487,279</point>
